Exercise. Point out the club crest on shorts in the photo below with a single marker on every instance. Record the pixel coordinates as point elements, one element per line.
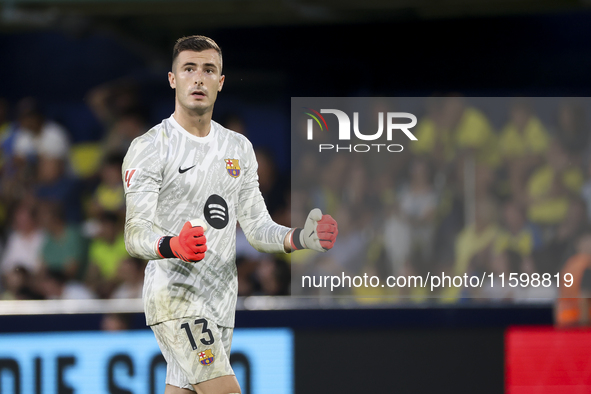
<point>233,167</point>
<point>206,357</point>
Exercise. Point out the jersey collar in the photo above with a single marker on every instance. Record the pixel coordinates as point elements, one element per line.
<point>180,128</point>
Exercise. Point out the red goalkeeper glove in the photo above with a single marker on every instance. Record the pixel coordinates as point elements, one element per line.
<point>319,233</point>
<point>189,245</point>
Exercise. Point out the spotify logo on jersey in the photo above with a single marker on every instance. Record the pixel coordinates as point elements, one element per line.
<point>216,211</point>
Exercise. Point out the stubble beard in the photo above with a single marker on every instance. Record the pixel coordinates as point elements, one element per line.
<point>196,109</point>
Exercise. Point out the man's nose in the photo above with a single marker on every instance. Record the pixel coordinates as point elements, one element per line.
<point>198,78</point>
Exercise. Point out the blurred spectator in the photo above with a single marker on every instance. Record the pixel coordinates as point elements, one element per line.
<point>332,177</point>
<point>517,235</point>
<point>418,202</point>
<point>131,277</point>
<point>54,184</point>
<point>474,246</point>
<point>355,189</point>
<point>485,182</point>
<point>124,130</point>
<point>457,128</point>
<point>117,106</point>
<point>573,131</point>
<point>554,252</point>
<point>273,276</point>
<point>106,253</point>
<point>55,285</point>
<point>524,136</point>
<point>38,136</point>
<point>109,101</point>
<point>450,215</point>
<point>273,187</point>
<point>477,237</point>
<point>18,284</point>
<point>64,248</point>
<point>246,268</point>
<point>109,195</point>
<point>434,139</point>
<point>25,241</point>
<point>472,130</point>
<point>523,143</point>
<point>552,186</point>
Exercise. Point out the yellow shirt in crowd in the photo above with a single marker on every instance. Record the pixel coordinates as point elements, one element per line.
<point>522,242</point>
<point>551,210</point>
<point>533,140</point>
<point>473,131</point>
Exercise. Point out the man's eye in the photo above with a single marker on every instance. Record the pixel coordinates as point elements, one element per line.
<point>189,69</point>
<point>210,71</point>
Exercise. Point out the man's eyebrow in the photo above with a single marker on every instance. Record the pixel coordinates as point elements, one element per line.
<point>204,65</point>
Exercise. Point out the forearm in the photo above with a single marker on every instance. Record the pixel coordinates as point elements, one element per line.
<point>140,239</point>
<point>265,235</point>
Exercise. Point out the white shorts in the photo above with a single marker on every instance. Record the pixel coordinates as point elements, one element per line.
<point>195,350</point>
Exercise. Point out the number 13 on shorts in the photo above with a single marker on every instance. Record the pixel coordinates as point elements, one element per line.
<point>209,340</point>
<point>195,349</point>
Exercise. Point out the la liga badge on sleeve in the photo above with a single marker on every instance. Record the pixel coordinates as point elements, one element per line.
<point>233,167</point>
<point>206,357</point>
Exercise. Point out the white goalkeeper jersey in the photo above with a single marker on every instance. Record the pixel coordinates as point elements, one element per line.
<point>171,176</point>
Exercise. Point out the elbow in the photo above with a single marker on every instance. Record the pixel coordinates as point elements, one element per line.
<point>130,249</point>
<point>133,253</point>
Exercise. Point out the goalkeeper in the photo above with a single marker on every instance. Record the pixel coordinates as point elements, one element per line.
<point>187,181</point>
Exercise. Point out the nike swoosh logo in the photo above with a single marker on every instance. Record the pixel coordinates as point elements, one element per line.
<point>181,170</point>
<point>311,233</point>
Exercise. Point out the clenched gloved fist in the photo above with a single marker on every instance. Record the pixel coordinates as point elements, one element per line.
<point>319,233</point>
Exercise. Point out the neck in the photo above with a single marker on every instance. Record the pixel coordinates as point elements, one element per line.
<point>196,123</point>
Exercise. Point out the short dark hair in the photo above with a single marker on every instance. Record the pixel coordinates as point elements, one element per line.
<point>194,43</point>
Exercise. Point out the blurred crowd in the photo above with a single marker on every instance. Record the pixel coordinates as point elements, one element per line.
<point>469,196</point>
<point>62,205</point>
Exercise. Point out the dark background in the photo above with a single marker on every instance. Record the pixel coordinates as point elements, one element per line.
<point>525,54</point>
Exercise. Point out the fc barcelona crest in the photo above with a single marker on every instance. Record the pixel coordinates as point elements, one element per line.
<point>233,167</point>
<point>206,357</point>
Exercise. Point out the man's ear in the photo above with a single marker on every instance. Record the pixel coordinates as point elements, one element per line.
<point>222,79</point>
<point>171,80</point>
